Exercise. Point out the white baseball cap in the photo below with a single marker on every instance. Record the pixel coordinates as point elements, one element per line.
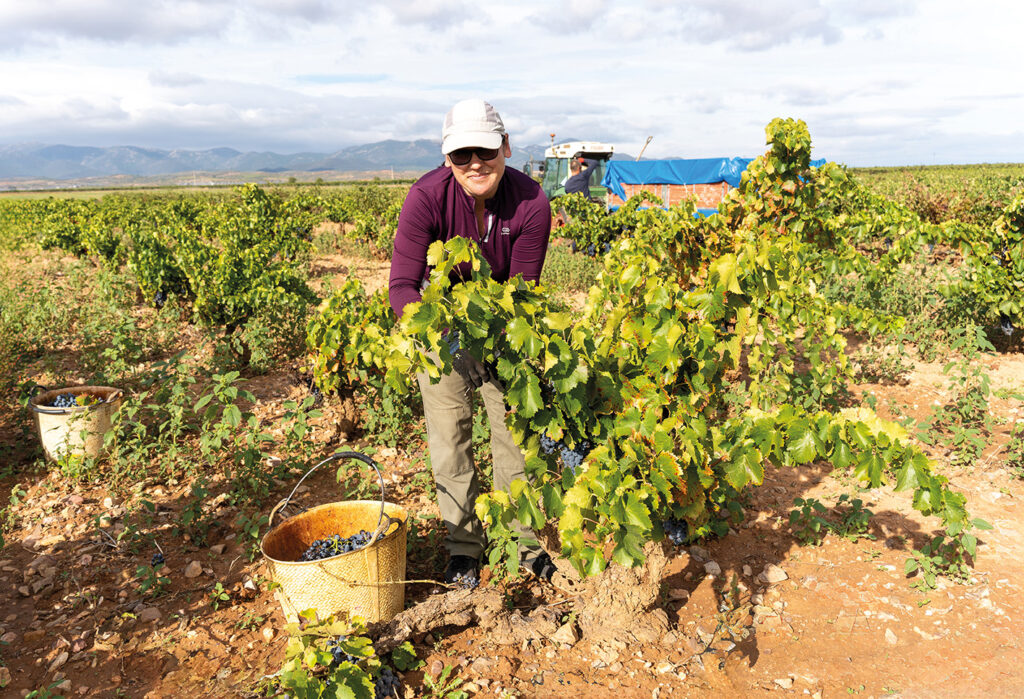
<point>471,123</point>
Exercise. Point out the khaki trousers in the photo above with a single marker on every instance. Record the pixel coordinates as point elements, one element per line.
<point>448,409</point>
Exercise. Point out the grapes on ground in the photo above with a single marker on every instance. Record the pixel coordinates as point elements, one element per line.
<point>158,560</point>
<point>336,545</point>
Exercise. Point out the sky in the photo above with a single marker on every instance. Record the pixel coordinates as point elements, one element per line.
<point>878,82</point>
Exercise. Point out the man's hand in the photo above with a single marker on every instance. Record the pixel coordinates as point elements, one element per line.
<point>469,368</point>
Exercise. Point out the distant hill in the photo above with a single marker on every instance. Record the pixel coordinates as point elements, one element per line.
<point>61,162</point>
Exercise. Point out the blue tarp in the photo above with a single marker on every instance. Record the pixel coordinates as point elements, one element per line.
<point>689,171</point>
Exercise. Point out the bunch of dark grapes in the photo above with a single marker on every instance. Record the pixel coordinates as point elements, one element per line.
<point>338,654</point>
<point>158,560</point>
<point>1006,325</point>
<point>677,529</point>
<point>387,684</point>
<point>453,342</point>
<point>573,457</point>
<point>547,444</point>
<point>336,545</point>
<point>314,390</point>
<point>467,581</point>
<point>64,400</point>
<point>159,299</point>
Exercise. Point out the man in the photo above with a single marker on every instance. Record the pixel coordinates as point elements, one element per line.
<point>579,180</point>
<point>504,211</point>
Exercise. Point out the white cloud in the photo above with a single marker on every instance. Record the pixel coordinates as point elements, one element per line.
<point>703,77</point>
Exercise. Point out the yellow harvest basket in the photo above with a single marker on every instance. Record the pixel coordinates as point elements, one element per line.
<point>368,582</point>
<point>77,431</point>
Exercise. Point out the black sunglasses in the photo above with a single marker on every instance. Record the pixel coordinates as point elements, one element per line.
<point>462,156</point>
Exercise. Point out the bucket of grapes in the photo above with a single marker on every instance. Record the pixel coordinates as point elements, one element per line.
<point>72,421</point>
<point>342,557</point>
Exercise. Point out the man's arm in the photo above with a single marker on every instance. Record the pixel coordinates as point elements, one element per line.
<point>416,231</point>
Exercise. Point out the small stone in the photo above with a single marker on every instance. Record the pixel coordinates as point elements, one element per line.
<point>785,683</point>
<point>59,661</point>
<point>24,591</point>
<point>890,637</point>
<point>679,594</point>
<point>664,667</point>
<point>268,634</point>
<point>700,553</point>
<point>149,614</point>
<point>34,636</point>
<point>218,549</point>
<point>747,571</point>
<point>76,499</point>
<point>772,574</point>
<point>193,570</point>
<point>85,560</point>
<point>566,635</point>
<point>712,568</point>
<point>9,638</point>
<point>5,677</point>
<point>470,688</point>
<point>436,668</point>
<point>40,563</point>
<point>109,502</point>
<point>481,666</point>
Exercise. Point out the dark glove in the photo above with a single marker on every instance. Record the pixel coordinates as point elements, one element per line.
<point>467,366</point>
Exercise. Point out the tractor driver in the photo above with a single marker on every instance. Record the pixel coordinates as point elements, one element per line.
<point>504,211</point>
<point>579,179</point>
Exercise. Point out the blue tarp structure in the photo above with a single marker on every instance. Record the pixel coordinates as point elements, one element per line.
<point>689,171</point>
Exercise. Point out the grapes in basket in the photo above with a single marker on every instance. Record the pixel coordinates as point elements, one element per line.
<point>335,545</point>
<point>68,400</point>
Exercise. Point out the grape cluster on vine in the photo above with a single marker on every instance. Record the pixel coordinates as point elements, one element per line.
<point>677,529</point>
<point>387,684</point>
<point>336,545</point>
<point>338,654</point>
<point>468,580</point>
<point>571,457</point>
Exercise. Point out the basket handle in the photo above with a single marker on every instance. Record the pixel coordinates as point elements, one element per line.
<point>334,457</point>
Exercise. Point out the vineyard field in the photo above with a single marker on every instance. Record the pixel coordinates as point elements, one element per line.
<point>824,382</point>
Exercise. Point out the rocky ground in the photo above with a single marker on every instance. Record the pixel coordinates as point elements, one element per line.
<point>753,613</point>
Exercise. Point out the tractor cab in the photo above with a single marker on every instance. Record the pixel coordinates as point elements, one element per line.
<point>556,166</point>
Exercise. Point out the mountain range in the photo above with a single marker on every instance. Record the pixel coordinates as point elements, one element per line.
<point>61,162</point>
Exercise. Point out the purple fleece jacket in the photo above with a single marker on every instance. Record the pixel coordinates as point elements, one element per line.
<point>518,221</point>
